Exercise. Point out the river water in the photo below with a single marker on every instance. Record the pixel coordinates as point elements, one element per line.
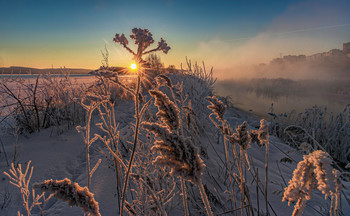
<point>258,98</point>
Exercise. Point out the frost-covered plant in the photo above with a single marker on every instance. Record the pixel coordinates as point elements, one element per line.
<point>72,193</point>
<point>177,152</point>
<point>143,39</point>
<point>218,109</point>
<point>195,70</point>
<point>164,80</point>
<point>21,180</point>
<point>110,127</point>
<point>180,155</point>
<point>59,104</point>
<point>243,139</point>
<point>89,102</point>
<point>315,171</point>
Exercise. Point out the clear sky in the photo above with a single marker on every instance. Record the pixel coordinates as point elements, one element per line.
<point>70,33</point>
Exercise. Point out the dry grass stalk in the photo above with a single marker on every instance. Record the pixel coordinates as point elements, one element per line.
<point>21,181</point>
<point>94,101</point>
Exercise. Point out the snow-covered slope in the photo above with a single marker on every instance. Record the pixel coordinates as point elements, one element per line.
<point>63,156</point>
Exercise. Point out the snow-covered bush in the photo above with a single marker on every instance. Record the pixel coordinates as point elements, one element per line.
<point>39,103</point>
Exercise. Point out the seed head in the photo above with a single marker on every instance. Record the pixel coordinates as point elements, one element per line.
<point>177,152</point>
<point>168,111</point>
<point>217,107</point>
<point>72,193</point>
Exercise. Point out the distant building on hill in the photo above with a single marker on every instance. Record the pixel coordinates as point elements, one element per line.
<point>294,58</point>
<point>334,53</point>
<point>346,48</point>
<point>289,59</point>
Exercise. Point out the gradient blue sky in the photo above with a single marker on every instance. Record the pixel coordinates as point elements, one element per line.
<point>72,33</point>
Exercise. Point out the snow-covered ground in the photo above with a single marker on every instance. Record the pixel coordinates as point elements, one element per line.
<point>63,156</point>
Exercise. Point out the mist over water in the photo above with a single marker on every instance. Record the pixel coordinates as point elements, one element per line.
<point>298,61</point>
<point>286,95</point>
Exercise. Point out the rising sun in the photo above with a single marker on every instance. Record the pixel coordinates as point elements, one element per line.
<point>133,66</point>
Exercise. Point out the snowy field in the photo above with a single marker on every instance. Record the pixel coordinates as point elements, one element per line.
<point>61,154</point>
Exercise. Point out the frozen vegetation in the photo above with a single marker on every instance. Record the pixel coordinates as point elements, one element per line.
<point>160,143</point>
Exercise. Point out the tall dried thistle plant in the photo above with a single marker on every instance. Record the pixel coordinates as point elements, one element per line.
<point>315,171</point>
<point>176,151</point>
<point>143,39</point>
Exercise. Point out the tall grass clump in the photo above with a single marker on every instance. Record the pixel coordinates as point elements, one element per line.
<point>241,138</point>
<point>320,128</point>
<point>180,155</point>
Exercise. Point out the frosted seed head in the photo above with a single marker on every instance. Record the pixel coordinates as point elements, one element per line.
<point>162,45</point>
<point>120,39</point>
<point>72,193</point>
<point>217,107</point>
<point>315,171</point>
<point>168,111</point>
<point>263,133</point>
<point>142,37</point>
<point>162,78</point>
<point>177,152</point>
<point>242,136</point>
